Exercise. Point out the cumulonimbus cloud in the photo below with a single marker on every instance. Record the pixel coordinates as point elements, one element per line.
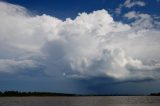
<point>91,45</point>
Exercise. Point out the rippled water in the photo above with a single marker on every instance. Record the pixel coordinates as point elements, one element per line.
<point>81,101</point>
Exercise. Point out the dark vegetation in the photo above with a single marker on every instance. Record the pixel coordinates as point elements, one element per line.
<point>19,94</point>
<point>155,94</point>
<point>16,93</point>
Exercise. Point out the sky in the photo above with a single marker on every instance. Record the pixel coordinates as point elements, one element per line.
<point>82,47</point>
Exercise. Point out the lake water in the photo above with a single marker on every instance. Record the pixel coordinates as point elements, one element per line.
<point>81,101</point>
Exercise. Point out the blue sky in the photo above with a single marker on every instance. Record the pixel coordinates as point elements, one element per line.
<point>84,47</point>
<point>63,9</point>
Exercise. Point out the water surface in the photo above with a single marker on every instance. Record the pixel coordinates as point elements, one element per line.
<point>81,101</point>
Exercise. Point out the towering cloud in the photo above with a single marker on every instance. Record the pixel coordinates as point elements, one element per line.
<point>91,45</point>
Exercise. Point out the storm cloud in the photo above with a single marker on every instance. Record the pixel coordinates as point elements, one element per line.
<point>90,46</point>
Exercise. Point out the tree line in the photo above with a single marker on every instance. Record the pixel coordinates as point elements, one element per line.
<point>155,94</point>
<point>17,93</point>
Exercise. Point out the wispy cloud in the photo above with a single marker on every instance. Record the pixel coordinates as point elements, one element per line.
<point>129,4</point>
<point>158,0</point>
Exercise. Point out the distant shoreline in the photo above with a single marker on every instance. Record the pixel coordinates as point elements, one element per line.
<point>28,94</point>
<point>50,94</point>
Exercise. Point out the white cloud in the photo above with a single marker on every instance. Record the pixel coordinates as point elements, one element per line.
<point>142,20</point>
<point>131,15</point>
<point>14,66</point>
<point>135,15</point>
<point>129,4</point>
<point>91,45</point>
<point>158,0</point>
